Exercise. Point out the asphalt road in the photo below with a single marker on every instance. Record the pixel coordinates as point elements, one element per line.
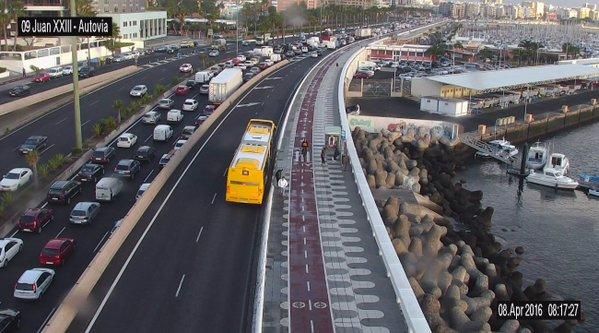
<point>193,269</point>
<point>89,238</point>
<point>94,106</point>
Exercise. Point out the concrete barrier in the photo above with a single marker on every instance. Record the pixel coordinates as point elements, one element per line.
<point>29,101</point>
<point>76,298</point>
<point>405,296</point>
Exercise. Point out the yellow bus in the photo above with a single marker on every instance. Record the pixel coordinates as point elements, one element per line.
<point>246,177</point>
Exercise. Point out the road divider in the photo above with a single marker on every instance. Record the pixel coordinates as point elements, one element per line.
<point>77,297</point>
<point>93,82</point>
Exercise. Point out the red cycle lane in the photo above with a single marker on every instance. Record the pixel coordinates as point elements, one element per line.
<point>308,294</point>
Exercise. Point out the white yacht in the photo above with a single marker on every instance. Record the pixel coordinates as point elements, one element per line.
<point>552,178</point>
<point>537,156</point>
<point>594,192</point>
<point>558,162</point>
<point>502,148</point>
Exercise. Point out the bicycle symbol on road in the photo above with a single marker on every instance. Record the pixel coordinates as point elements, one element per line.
<point>320,305</point>
<point>299,305</point>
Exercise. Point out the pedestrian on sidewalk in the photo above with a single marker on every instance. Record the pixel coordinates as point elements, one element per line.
<point>24,72</point>
<point>336,153</point>
<point>278,175</point>
<point>282,183</point>
<point>336,64</point>
<point>345,161</point>
<point>323,155</point>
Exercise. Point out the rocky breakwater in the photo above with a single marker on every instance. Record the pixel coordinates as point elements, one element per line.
<point>457,269</point>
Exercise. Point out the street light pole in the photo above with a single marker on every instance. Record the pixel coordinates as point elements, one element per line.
<point>76,104</point>
<point>237,29</point>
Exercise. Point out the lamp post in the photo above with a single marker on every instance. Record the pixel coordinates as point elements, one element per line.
<point>76,102</point>
<point>237,29</point>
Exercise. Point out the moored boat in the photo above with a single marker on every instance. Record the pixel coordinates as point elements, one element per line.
<point>551,177</point>
<point>537,156</point>
<point>588,181</point>
<point>558,162</point>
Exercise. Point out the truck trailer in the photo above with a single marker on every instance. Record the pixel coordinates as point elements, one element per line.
<point>224,84</point>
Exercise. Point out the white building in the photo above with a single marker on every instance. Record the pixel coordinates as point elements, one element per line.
<point>140,26</point>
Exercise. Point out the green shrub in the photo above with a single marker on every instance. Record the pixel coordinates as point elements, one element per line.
<point>35,69</point>
<point>7,198</point>
<point>2,69</point>
<point>56,162</point>
<point>109,124</point>
<point>159,89</point>
<point>98,129</point>
<point>175,81</point>
<point>43,170</point>
<point>76,151</point>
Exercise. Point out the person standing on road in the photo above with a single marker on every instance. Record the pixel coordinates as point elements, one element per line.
<point>305,147</point>
<point>345,161</point>
<point>336,153</point>
<point>24,72</point>
<point>323,155</point>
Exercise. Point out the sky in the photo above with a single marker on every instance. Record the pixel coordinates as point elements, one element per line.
<point>562,3</point>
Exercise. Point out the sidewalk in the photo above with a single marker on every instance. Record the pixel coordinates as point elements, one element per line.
<point>323,221</point>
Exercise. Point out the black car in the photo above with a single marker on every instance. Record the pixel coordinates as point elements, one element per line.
<point>62,191</point>
<point>102,155</point>
<point>86,71</point>
<point>191,84</point>
<point>161,49</point>
<point>128,168</point>
<point>20,91</point>
<point>10,320</point>
<point>90,172</point>
<point>145,153</point>
<point>36,142</point>
<point>247,77</point>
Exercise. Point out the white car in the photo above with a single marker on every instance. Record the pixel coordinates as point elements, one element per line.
<point>138,91</point>
<point>151,117</point>
<point>55,72</point>
<point>174,115</point>
<point>166,103</point>
<point>204,89</point>
<point>269,62</point>
<point>126,140</point>
<point>67,70</point>
<point>314,54</point>
<point>241,66</point>
<point>141,190</point>
<point>9,247</point>
<point>15,179</point>
<point>190,105</point>
<point>33,283</point>
<point>241,57</point>
<point>179,144</point>
<point>186,68</point>
<point>214,53</point>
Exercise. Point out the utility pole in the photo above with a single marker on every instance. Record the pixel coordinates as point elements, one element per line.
<point>237,29</point>
<point>78,137</point>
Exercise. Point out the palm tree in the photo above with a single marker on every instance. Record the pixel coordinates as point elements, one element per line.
<point>119,106</point>
<point>486,53</point>
<point>15,9</point>
<point>4,19</point>
<point>85,8</point>
<point>32,159</point>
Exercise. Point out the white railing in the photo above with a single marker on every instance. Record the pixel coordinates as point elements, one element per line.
<point>405,296</point>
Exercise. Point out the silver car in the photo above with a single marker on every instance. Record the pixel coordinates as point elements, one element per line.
<point>84,212</point>
<point>33,283</point>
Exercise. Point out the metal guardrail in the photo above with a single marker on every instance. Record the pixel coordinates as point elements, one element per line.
<point>405,296</point>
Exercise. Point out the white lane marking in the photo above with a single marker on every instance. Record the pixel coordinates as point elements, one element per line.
<point>263,87</point>
<point>101,240</point>
<point>311,326</point>
<point>199,234</point>
<point>180,285</point>
<point>304,228</point>
<point>304,240</point>
<point>60,121</point>
<point>85,123</point>
<point>248,104</point>
<point>307,270</point>
<point>224,173</point>
<point>45,204</point>
<point>306,254</point>
<point>274,78</point>
<point>148,176</point>
<point>214,197</point>
<point>14,233</point>
<point>148,138</point>
<point>47,148</point>
<point>310,304</point>
<point>46,320</point>
<point>303,218</point>
<point>143,236</point>
<point>308,285</point>
<point>60,232</point>
<point>94,102</point>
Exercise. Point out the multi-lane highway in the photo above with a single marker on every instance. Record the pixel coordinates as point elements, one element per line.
<point>89,238</point>
<point>94,106</point>
<point>192,269</point>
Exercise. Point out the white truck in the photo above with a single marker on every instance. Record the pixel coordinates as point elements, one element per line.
<point>331,43</point>
<point>224,84</point>
<point>275,57</point>
<point>264,51</point>
<point>219,44</point>
<point>262,40</point>
<point>363,33</point>
<point>313,41</point>
<point>203,77</point>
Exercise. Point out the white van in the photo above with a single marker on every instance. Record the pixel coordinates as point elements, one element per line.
<point>107,188</point>
<point>162,132</point>
<point>203,77</point>
<point>275,57</point>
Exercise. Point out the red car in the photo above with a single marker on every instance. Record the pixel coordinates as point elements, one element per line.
<point>34,219</point>
<point>41,78</point>
<point>361,75</point>
<point>57,251</point>
<point>182,90</point>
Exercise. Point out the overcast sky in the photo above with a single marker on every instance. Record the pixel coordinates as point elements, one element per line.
<point>562,3</point>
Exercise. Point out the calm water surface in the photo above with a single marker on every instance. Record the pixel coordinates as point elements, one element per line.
<point>559,230</point>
